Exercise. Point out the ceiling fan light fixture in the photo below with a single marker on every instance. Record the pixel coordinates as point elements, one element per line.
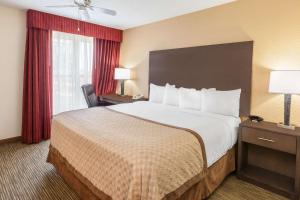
<point>84,3</point>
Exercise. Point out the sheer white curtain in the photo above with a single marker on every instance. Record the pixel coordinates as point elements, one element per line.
<point>72,67</point>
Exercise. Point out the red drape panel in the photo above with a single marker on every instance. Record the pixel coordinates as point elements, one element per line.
<point>105,60</point>
<point>37,86</point>
<point>47,21</point>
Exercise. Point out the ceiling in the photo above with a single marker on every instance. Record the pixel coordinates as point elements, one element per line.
<point>130,13</point>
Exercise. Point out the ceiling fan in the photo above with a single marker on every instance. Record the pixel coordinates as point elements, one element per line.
<point>84,7</point>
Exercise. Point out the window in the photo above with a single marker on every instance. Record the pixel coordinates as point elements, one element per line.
<point>72,67</point>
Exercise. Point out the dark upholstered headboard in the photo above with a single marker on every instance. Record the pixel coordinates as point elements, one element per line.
<point>221,66</point>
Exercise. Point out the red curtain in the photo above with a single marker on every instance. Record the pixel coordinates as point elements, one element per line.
<point>37,86</point>
<point>105,60</point>
<point>47,21</point>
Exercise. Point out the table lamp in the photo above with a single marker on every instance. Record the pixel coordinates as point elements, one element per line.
<point>122,74</point>
<point>287,83</point>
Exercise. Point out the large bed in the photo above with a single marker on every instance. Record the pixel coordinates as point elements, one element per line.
<point>152,151</point>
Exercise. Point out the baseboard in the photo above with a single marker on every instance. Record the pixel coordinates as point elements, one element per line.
<point>9,140</point>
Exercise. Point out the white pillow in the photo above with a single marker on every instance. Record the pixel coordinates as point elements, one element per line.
<point>157,93</point>
<point>171,96</point>
<point>222,102</point>
<point>209,89</point>
<point>190,98</point>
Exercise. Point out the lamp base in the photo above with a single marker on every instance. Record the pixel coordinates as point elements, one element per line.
<point>290,127</point>
<point>122,89</point>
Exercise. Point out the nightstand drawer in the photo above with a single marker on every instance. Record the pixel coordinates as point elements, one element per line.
<point>268,139</point>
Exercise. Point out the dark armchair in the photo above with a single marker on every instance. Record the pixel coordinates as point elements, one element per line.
<point>90,96</point>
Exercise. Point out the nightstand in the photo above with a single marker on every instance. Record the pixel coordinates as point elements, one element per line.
<point>269,156</point>
<point>118,99</point>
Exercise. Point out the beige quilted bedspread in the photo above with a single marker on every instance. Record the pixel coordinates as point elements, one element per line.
<point>126,157</point>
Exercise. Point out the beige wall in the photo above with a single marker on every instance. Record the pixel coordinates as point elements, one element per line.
<point>12,47</point>
<point>274,25</point>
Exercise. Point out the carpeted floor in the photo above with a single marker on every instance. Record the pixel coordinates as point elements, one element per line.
<point>25,175</point>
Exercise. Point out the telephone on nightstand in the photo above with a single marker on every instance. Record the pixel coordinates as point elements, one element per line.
<point>138,96</point>
<point>255,118</point>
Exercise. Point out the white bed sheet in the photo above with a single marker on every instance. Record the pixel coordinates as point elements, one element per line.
<point>219,132</point>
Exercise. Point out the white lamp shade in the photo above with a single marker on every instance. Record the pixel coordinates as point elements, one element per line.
<point>122,74</point>
<point>285,82</point>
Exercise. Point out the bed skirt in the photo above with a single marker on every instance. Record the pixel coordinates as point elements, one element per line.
<point>213,178</point>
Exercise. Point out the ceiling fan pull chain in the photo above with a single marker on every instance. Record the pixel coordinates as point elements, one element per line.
<point>78,29</point>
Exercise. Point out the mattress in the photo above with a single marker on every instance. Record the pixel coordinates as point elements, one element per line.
<point>142,150</point>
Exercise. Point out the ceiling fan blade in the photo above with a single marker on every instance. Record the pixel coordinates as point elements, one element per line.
<point>105,10</point>
<point>62,6</point>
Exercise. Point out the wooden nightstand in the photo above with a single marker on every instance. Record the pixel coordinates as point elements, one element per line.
<point>269,156</point>
<point>117,99</point>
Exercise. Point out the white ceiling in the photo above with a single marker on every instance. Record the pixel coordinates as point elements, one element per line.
<point>130,13</point>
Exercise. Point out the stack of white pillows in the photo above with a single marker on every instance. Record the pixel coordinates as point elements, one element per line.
<point>206,100</point>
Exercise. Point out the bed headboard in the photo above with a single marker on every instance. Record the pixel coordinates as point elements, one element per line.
<point>221,66</point>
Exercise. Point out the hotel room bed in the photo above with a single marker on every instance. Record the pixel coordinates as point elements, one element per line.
<point>143,150</point>
<point>153,151</point>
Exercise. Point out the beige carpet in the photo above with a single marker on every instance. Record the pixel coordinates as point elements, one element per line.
<point>25,175</point>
